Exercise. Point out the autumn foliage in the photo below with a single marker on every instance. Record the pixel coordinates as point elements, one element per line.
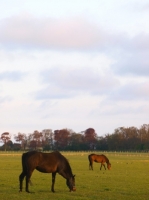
<point>122,139</point>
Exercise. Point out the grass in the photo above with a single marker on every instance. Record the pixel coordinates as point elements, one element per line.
<point>128,179</point>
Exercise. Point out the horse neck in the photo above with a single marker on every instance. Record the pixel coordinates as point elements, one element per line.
<point>107,160</point>
<point>67,172</point>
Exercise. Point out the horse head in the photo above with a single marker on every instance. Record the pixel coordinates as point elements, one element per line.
<point>109,166</point>
<point>70,182</point>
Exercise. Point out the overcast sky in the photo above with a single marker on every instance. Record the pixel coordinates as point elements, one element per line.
<point>73,64</point>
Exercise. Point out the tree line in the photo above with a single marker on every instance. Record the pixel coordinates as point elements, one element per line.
<point>122,139</point>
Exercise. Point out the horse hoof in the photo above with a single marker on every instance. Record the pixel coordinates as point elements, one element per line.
<point>72,190</point>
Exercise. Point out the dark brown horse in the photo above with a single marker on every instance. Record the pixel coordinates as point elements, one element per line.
<point>99,159</point>
<point>47,163</point>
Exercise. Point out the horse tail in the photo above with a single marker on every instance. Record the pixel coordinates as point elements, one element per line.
<point>90,162</point>
<point>24,166</point>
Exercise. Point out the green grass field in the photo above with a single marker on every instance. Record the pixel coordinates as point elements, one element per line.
<point>127,179</point>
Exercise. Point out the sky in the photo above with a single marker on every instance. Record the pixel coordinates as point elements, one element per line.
<point>73,64</point>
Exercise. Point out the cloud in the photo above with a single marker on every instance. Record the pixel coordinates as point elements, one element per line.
<point>11,76</point>
<point>132,57</point>
<point>142,7</point>
<point>133,64</point>
<point>62,83</point>
<point>4,99</point>
<point>73,33</point>
<point>131,91</point>
<point>25,30</point>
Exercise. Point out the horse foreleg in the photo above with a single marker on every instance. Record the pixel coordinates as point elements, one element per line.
<point>101,166</point>
<point>104,166</point>
<point>53,181</point>
<point>21,177</point>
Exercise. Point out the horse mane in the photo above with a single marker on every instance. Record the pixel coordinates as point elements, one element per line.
<point>107,160</point>
<point>65,160</point>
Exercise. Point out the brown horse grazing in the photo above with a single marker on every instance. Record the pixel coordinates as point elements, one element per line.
<point>99,159</point>
<point>47,163</point>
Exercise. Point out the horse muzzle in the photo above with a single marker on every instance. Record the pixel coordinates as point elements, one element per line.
<point>73,189</point>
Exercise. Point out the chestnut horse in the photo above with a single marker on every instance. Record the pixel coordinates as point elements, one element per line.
<point>99,159</point>
<point>47,163</point>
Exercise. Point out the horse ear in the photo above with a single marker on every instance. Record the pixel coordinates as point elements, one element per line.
<point>74,175</point>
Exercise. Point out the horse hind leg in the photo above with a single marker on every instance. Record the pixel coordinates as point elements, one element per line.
<point>91,165</point>
<point>28,176</point>
<point>21,178</point>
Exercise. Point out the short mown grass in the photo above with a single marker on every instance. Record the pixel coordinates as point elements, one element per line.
<point>127,179</point>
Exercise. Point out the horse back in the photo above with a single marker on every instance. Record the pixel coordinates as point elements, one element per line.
<point>97,158</point>
<point>43,162</point>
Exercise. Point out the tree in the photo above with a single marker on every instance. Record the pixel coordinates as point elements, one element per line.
<point>90,138</point>
<point>5,138</point>
<point>47,139</point>
<point>21,138</point>
<point>35,140</point>
<point>77,142</point>
<point>102,143</point>
<point>61,138</point>
<point>144,136</point>
<point>123,139</point>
